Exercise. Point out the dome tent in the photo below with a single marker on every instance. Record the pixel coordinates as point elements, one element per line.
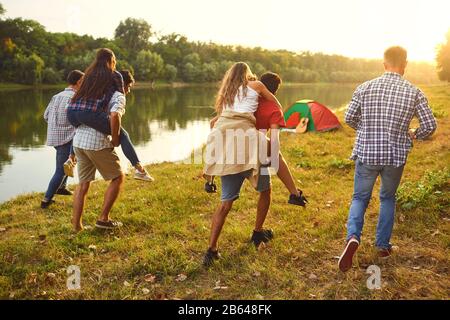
<point>320,117</point>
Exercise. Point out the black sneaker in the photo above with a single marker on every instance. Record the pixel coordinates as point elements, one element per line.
<point>210,187</point>
<point>261,236</point>
<point>46,204</point>
<point>64,192</point>
<point>209,258</point>
<point>298,200</point>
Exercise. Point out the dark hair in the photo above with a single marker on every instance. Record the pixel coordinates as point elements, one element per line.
<point>98,78</point>
<point>74,76</point>
<point>272,81</point>
<point>127,77</point>
<point>395,56</point>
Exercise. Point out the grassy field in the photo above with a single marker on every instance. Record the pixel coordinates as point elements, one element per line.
<point>157,254</point>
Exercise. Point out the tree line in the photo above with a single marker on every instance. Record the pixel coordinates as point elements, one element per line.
<point>31,55</point>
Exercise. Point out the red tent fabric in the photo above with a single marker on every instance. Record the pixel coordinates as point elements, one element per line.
<point>324,118</point>
<point>293,120</point>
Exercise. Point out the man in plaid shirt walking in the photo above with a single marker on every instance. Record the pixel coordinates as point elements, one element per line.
<point>59,135</point>
<point>381,112</point>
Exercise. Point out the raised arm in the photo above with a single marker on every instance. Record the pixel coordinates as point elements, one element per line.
<point>117,104</point>
<point>426,119</point>
<point>259,87</point>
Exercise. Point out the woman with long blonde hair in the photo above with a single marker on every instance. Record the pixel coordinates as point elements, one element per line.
<point>236,103</point>
<point>240,90</point>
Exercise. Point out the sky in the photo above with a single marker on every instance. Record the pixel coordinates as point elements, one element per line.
<point>354,28</point>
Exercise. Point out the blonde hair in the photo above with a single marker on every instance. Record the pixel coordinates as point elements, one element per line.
<point>237,76</point>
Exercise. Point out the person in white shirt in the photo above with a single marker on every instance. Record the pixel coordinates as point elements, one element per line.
<point>59,135</point>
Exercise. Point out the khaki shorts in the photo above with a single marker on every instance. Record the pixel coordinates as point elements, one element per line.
<point>105,161</point>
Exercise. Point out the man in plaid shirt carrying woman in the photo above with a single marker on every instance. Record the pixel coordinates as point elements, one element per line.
<point>90,106</point>
<point>381,112</point>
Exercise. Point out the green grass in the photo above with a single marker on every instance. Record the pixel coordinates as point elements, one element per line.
<point>166,230</point>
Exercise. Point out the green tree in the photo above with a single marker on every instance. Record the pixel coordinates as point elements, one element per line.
<point>29,69</point>
<point>51,76</point>
<point>124,65</point>
<point>2,10</point>
<point>443,60</point>
<point>170,73</point>
<point>134,35</point>
<point>149,66</point>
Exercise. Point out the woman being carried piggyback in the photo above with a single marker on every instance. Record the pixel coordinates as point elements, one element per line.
<point>237,101</point>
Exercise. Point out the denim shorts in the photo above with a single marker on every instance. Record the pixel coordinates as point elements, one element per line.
<point>232,184</point>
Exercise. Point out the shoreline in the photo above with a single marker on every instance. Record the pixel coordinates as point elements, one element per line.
<point>176,85</point>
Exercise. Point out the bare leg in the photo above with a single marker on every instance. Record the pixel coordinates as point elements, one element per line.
<point>110,197</point>
<point>78,205</point>
<point>263,208</point>
<point>218,221</point>
<point>286,177</point>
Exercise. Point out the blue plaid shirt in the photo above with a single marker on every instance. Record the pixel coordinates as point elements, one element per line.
<point>99,105</point>
<point>381,111</point>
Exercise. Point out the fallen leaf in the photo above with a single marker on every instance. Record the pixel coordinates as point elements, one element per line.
<point>417,268</point>
<point>92,247</point>
<point>181,278</point>
<point>435,233</point>
<point>150,278</point>
<point>51,275</point>
<point>2,229</point>
<point>126,284</point>
<point>312,276</point>
<point>257,274</point>
<point>32,278</point>
<point>145,291</point>
<point>220,288</point>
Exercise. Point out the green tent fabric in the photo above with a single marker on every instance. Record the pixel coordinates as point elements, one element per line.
<point>302,107</point>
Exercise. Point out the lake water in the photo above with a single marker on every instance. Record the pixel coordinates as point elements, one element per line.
<point>165,124</point>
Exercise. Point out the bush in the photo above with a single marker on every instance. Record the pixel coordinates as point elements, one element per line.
<point>170,73</point>
<point>29,69</point>
<point>51,76</point>
<point>414,194</point>
<point>124,65</point>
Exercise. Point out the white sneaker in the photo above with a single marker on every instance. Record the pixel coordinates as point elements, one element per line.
<point>143,176</point>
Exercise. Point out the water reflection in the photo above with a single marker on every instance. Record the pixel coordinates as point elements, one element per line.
<point>160,122</point>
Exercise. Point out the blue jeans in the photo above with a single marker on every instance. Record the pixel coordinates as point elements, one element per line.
<point>59,179</point>
<point>232,184</point>
<point>100,121</point>
<point>365,177</point>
